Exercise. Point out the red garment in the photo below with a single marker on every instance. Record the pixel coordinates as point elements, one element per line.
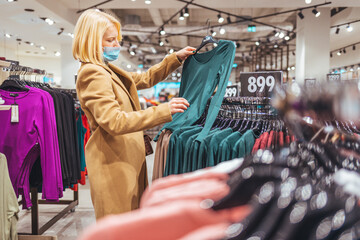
<point>74,188</point>
<point>87,126</point>
<point>293,138</point>
<point>169,221</point>
<point>264,140</point>
<point>281,139</point>
<point>287,140</point>
<point>257,144</point>
<point>270,139</point>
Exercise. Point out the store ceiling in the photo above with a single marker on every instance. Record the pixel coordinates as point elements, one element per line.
<point>13,18</point>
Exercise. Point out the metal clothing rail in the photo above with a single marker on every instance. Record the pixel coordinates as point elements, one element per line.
<point>35,229</point>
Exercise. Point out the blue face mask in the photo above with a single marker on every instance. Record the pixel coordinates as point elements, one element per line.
<point>111,53</point>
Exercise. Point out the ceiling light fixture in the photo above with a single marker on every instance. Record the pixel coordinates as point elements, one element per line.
<point>276,45</point>
<point>301,15</point>
<point>171,50</point>
<point>161,43</point>
<point>132,52</point>
<point>316,12</point>
<point>7,35</point>
<point>228,19</point>
<point>238,45</point>
<point>57,53</point>
<point>331,55</point>
<point>287,38</point>
<point>181,17</point>
<point>213,33</point>
<point>186,12</point>
<point>257,43</point>
<point>354,47</point>
<point>349,28</point>
<point>49,21</point>
<point>344,51</point>
<point>147,1</point>
<point>337,30</point>
<point>11,0</point>
<point>222,31</point>
<point>307,1</point>
<point>220,18</point>
<point>128,66</point>
<point>281,35</point>
<point>42,48</point>
<point>162,31</point>
<point>339,53</point>
<point>61,31</point>
<point>71,35</point>
<point>277,34</point>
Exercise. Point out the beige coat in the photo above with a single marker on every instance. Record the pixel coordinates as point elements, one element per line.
<point>115,152</point>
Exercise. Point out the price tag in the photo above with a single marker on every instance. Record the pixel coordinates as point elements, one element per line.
<point>333,77</point>
<point>259,83</point>
<point>14,113</point>
<point>232,91</point>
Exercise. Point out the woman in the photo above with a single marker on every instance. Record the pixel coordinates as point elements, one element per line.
<point>115,153</point>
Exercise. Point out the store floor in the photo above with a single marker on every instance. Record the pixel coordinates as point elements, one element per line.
<point>73,223</point>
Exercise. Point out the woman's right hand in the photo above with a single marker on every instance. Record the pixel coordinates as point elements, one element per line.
<point>178,105</point>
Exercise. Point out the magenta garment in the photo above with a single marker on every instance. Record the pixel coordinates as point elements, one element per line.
<point>35,134</point>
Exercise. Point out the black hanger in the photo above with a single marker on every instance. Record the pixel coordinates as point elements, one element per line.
<point>207,39</point>
<point>13,85</point>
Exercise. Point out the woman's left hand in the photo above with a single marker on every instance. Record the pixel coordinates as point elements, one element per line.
<point>184,53</point>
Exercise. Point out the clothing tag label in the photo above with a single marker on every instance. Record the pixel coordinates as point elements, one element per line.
<point>14,113</point>
<point>1,101</point>
<point>14,94</point>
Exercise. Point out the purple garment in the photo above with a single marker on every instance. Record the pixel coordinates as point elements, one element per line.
<point>35,134</point>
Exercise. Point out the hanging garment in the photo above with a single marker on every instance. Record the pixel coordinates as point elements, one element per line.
<point>37,135</point>
<point>160,154</point>
<point>202,73</point>
<point>115,152</point>
<point>9,207</point>
<point>81,131</point>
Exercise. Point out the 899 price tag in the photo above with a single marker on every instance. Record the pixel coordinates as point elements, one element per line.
<point>231,91</point>
<point>259,83</point>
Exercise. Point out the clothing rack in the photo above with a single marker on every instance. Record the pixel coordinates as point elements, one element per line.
<point>35,229</point>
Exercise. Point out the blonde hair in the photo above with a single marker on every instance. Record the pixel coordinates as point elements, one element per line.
<point>89,31</point>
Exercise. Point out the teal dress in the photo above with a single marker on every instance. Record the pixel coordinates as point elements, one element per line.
<point>202,73</point>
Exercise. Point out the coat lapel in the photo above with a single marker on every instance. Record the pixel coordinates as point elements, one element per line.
<point>128,84</point>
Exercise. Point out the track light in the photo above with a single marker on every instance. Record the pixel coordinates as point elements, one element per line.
<point>186,13</point>
<point>354,47</point>
<point>222,31</point>
<point>281,35</point>
<point>331,55</point>
<point>213,33</point>
<point>61,31</point>
<point>339,53</point>
<point>7,35</point>
<point>257,43</point>
<point>147,1</point>
<point>287,38</point>
<point>42,48</point>
<point>171,50</point>
<point>57,53</point>
<point>162,31</point>
<point>49,21</point>
<point>293,53</point>
<point>132,52</point>
<point>167,41</point>
<point>352,68</point>
<point>307,1</point>
<point>337,30</point>
<point>301,15</point>
<point>220,18</point>
<point>349,28</point>
<point>277,34</point>
<point>71,35</point>
<point>181,17</point>
<point>161,43</point>
<point>316,12</point>
<point>344,51</point>
<point>238,45</point>
<point>228,19</point>
<point>276,45</point>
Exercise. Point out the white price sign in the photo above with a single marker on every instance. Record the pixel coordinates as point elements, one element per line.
<point>231,91</point>
<point>259,83</point>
